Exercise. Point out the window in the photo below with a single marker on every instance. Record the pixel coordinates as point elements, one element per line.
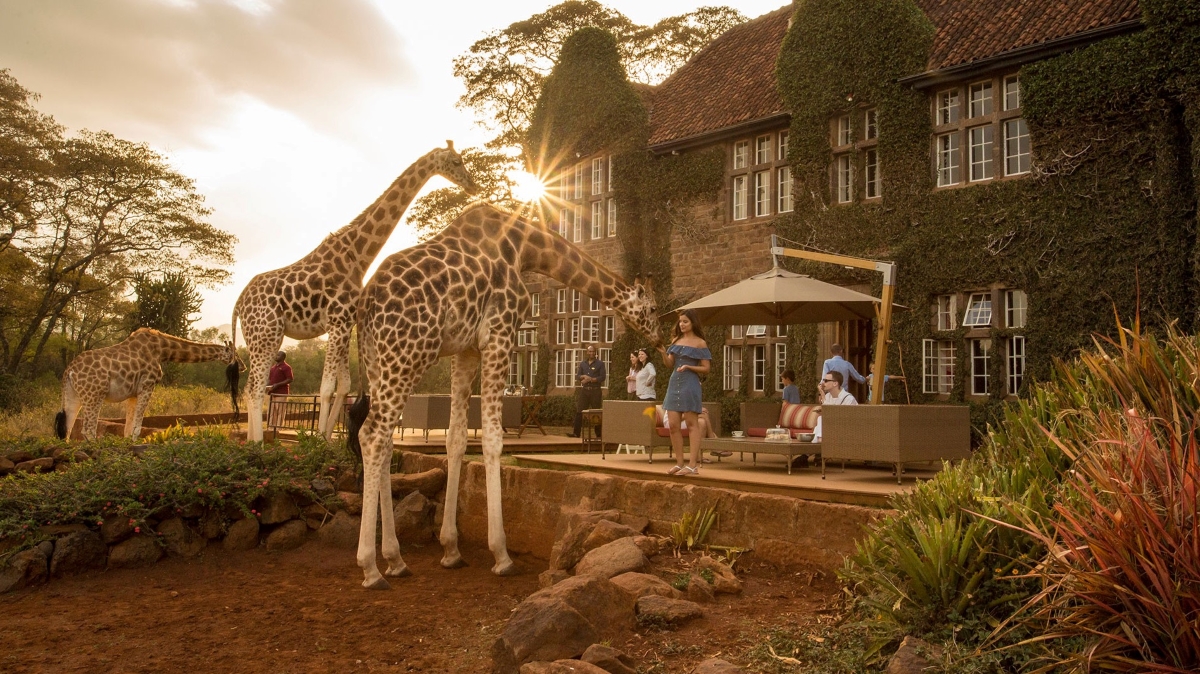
<point>845,179</point>
<point>527,337</point>
<point>564,183</point>
<point>575,301</point>
<point>535,304</point>
<point>560,331</point>
<point>780,364</point>
<point>610,172</point>
<point>762,149</point>
<point>578,222</point>
<point>591,330</point>
<point>782,151</point>
<point>1016,305</point>
<point>737,331</point>
<point>564,223</point>
<point>741,151</point>
<point>562,300</point>
<point>533,365</point>
<point>574,330</point>
<point>947,312</point>
<point>514,369</point>
<point>1016,147</point>
<point>979,311</point>
<point>948,169</point>
<point>597,219</point>
<point>947,107</point>
<point>756,331</point>
<point>981,152</point>
<point>762,193</point>
<point>1012,92</point>
<point>871,124</point>
<point>733,368</point>
<point>1016,363</point>
<point>610,329</point>
<point>871,173</point>
<point>597,176</point>
<point>565,364</point>
<point>938,361</point>
<point>844,137</point>
<point>593,304</point>
<point>781,331</point>
<point>606,358</point>
<point>612,217</point>
<point>579,181</point>
<point>739,197</point>
<point>981,350</point>
<point>760,367</point>
<point>784,189</point>
<point>981,99</point>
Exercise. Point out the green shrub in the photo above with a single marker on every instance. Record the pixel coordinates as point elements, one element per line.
<point>558,411</point>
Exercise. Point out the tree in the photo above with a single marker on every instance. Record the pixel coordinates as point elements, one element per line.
<point>166,303</point>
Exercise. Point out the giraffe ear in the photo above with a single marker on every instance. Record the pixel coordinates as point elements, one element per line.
<point>649,283</point>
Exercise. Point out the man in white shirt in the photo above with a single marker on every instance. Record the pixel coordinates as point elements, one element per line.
<point>831,388</point>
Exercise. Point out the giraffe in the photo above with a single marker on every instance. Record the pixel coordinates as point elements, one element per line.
<point>460,294</point>
<point>316,294</point>
<point>129,371</point>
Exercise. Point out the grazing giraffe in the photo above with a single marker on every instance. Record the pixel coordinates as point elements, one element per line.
<point>460,294</point>
<point>316,294</point>
<point>129,371</point>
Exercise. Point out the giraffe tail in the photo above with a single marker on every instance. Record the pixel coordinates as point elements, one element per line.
<point>354,421</point>
<point>232,381</point>
<point>60,424</point>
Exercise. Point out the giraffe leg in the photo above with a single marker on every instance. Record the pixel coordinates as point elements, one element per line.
<point>71,406</point>
<point>462,375</point>
<point>333,389</point>
<point>143,401</point>
<point>130,406</point>
<point>90,424</point>
<point>387,524</point>
<point>495,367</point>
<point>376,439</point>
<point>263,343</point>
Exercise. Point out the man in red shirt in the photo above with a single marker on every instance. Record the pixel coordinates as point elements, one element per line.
<point>279,384</point>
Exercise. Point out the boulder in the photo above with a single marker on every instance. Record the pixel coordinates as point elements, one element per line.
<point>138,551</point>
<point>192,511</point>
<point>19,457</point>
<point>341,531</point>
<point>287,536</point>
<point>212,525</point>
<point>348,482</point>
<point>59,530</point>
<point>561,667</point>
<point>669,611</point>
<point>561,621</point>
<point>642,584</point>
<point>606,531</point>
<point>315,516</point>
<point>574,530</point>
<point>717,666</point>
<point>700,590</point>
<point>78,552</point>
<point>62,467</point>
<point>6,466</point>
<point>909,658</point>
<point>323,487</point>
<point>47,548</point>
<point>278,508</point>
<point>651,545</point>
<point>242,535</point>
<point>351,501</point>
<point>724,579</point>
<point>42,465</point>
<point>612,559</point>
<point>414,518</point>
<point>24,569</point>
<point>180,539</point>
<point>428,482</point>
<point>609,659</point>
<point>550,577</point>
<point>116,528</point>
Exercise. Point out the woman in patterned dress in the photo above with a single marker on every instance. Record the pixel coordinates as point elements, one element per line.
<point>687,358</point>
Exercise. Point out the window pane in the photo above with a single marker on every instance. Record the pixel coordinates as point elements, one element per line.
<point>845,179</point>
<point>562,300</point>
<point>946,312</point>
<point>981,350</point>
<point>578,223</point>
<point>981,99</point>
<point>612,217</point>
<point>780,364</point>
<point>762,193</point>
<point>760,368</point>
<point>981,152</point>
<point>762,149</point>
<point>578,180</point>
<point>535,306</point>
<point>871,124</point>
<point>843,130</point>
<point>1016,363</point>
<point>1015,306</point>
<point>739,197</point>
<point>575,301</point>
<point>564,217</point>
<point>597,219</point>
<point>1012,92</point>
<point>785,189</point>
<point>1016,147</point>
<point>949,169</point>
<point>737,331</point>
<point>871,173</point>
<point>756,331</point>
<point>979,310</point>
<point>740,151</point>
<point>947,107</point>
<point>597,176</point>
<point>783,146</point>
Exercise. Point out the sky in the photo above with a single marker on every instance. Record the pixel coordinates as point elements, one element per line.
<point>291,115</point>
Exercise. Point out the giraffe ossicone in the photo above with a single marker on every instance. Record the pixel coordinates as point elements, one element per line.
<point>317,294</point>
<point>461,294</point>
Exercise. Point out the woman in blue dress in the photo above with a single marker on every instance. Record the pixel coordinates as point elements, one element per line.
<point>687,359</point>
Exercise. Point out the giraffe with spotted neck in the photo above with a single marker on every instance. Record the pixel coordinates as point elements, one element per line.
<point>461,294</point>
<point>316,294</point>
<point>127,371</point>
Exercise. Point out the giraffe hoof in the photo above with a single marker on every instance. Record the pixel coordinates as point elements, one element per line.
<point>402,572</point>
<point>456,563</point>
<point>507,568</point>
<point>380,584</point>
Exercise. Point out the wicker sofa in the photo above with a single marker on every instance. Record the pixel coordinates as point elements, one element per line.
<point>627,423</point>
<point>895,434</point>
<point>758,416</point>
<point>425,412</point>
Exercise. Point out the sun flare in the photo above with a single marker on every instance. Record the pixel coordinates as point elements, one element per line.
<point>526,186</point>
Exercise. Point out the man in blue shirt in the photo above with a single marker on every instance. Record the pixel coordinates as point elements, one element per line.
<point>590,376</point>
<point>839,364</point>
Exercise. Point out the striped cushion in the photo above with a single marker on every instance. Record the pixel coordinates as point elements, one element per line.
<point>799,416</point>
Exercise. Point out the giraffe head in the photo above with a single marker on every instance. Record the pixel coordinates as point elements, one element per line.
<point>637,308</point>
<point>229,354</point>
<point>449,164</point>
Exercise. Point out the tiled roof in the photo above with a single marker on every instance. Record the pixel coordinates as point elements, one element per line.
<point>729,82</point>
<point>971,30</point>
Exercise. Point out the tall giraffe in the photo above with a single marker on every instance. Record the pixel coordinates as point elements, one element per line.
<point>128,371</point>
<point>316,294</point>
<point>461,294</point>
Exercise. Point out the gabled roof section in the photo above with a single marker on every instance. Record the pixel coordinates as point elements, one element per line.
<point>728,83</point>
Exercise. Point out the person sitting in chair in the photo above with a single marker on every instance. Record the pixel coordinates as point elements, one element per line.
<point>829,392</point>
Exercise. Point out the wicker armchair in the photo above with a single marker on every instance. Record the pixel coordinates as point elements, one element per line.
<point>896,434</point>
<point>626,423</point>
<point>425,412</point>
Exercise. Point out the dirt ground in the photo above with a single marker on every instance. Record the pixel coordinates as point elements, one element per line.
<point>304,611</point>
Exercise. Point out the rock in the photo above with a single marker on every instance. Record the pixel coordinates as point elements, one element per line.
<point>212,525</point>
<point>724,579</point>
<point>180,539</point>
<point>192,511</point>
<point>414,518</point>
<point>609,659</point>
<point>606,531</point>
<point>6,466</point>
<point>670,611</point>
<point>568,546</point>
<point>278,508</point>
<point>24,569</point>
<point>138,551</point>
<point>242,535</point>
<point>323,487</point>
<point>699,590</point>
<point>348,482</point>
<point>562,621</point>
<point>635,522</point>
<point>62,467</point>
<point>42,465</point>
<point>47,548</point>
<point>315,516</point>
<point>288,536</point>
<point>908,659</point>
<point>69,455</point>
<point>341,531</point>
<point>59,530</point>
<point>612,559</point>
<point>651,545</point>
<point>551,577</point>
<point>19,457</point>
<point>428,482</point>
<point>115,529</point>
<point>78,552</point>
<point>561,667</point>
<point>717,666</point>
<point>351,501</point>
<point>642,584</point>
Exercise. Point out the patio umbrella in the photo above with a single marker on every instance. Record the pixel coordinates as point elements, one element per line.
<point>780,297</point>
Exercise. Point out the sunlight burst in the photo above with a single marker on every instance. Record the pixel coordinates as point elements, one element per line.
<point>526,186</point>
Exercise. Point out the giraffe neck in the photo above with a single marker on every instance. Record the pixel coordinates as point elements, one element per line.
<point>170,348</point>
<point>365,236</point>
<point>553,256</point>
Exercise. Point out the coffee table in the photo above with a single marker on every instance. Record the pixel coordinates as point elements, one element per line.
<point>756,446</point>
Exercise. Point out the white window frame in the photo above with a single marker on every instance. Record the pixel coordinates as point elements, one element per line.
<point>949,107</point>
<point>741,154</point>
<point>514,369</point>
<point>564,182</point>
<point>560,331</point>
<point>562,371</point>
<point>871,124</point>
<point>844,133</point>
<point>979,311</point>
<point>606,358</point>
<point>762,193</point>
<point>1016,308</point>
<point>610,173</point>
<point>1016,363</point>
<point>740,190</point>
<point>575,331</point>
<point>780,364</point>
<point>1018,151</point>
<point>784,189</point>
<point>756,331</point>
<point>579,180</point>
<point>535,304</point>
<point>938,360</point>
<point>760,367</point>
<point>781,151</point>
<point>578,224</point>
<point>612,217</point>
<point>1012,93</point>
<point>598,175</point>
<point>844,170</point>
<point>533,365</point>
<point>610,329</point>
<point>575,301</point>
<point>590,330</point>
<point>982,143</point>
<point>564,228</point>
<point>562,300</point>
<point>871,181</point>
<point>781,331</point>
<point>737,331</point>
<point>762,149</point>
<point>980,99</point>
<point>593,304</point>
<point>947,312</point>
<point>597,219</point>
<point>949,159</point>
<point>732,367</point>
<point>981,353</point>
